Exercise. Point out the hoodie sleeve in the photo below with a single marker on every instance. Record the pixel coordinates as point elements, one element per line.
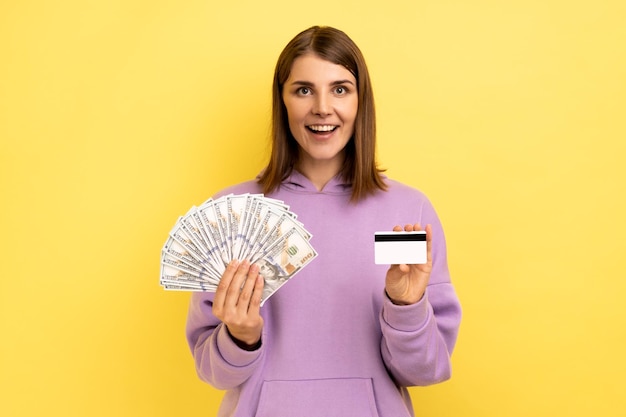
<point>219,361</point>
<point>418,339</point>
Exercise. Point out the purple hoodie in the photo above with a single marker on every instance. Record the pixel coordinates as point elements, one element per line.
<point>333,344</point>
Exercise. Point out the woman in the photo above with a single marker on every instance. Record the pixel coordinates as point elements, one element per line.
<point>346,337</point>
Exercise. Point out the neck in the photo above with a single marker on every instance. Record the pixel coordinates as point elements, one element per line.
<point>319,173</point>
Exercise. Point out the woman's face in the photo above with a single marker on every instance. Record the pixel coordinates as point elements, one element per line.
<point>322,102</point>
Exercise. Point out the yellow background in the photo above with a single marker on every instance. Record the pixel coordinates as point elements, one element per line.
<point>117,116</point>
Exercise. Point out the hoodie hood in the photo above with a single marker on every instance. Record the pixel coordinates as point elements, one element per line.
<point>298,183</point>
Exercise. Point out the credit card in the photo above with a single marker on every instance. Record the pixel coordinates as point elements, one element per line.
<point>393,248</point>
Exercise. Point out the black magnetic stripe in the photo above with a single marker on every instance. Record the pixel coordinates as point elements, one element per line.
<point>400,237</point>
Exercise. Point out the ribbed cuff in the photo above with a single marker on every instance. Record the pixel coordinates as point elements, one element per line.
<point>232,352</point>
<point>406,318</point>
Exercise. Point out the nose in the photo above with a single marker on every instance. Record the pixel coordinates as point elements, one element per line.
<point>322,105</point>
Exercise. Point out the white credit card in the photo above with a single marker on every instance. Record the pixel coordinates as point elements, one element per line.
<point>393,248</point>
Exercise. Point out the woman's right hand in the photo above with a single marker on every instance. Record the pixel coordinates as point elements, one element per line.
<point>237,302</point>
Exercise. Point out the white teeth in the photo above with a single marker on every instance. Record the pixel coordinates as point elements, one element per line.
<point>322,128</point>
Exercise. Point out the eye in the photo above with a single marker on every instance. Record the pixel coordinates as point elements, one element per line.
<point>303,91</point>
<point>341,90</point>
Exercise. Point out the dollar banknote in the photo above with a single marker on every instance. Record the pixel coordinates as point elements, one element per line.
<point>243,227</point>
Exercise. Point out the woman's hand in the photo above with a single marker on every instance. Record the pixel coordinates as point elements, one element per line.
<point>406,284</point>
<point>237,302</point>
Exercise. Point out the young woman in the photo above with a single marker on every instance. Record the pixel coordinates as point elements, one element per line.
<point>346,336</point>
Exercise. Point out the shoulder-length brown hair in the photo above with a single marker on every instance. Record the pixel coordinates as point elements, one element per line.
<point>360,168</point>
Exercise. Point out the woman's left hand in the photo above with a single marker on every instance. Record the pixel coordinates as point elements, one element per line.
<point>406,284</point>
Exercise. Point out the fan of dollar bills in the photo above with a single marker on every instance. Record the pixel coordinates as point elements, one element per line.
<point>243,227</point>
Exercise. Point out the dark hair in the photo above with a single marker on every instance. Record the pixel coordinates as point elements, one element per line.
<point>360,168</point>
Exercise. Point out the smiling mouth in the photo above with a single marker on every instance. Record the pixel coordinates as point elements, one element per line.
<point>321,129</point>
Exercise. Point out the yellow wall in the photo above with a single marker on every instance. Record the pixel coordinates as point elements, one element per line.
<point>117,116</point>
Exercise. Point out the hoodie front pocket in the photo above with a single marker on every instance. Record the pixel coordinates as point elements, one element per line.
<point>318,398</point>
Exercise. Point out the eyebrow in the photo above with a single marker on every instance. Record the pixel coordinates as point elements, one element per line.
<point>310,84</point>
